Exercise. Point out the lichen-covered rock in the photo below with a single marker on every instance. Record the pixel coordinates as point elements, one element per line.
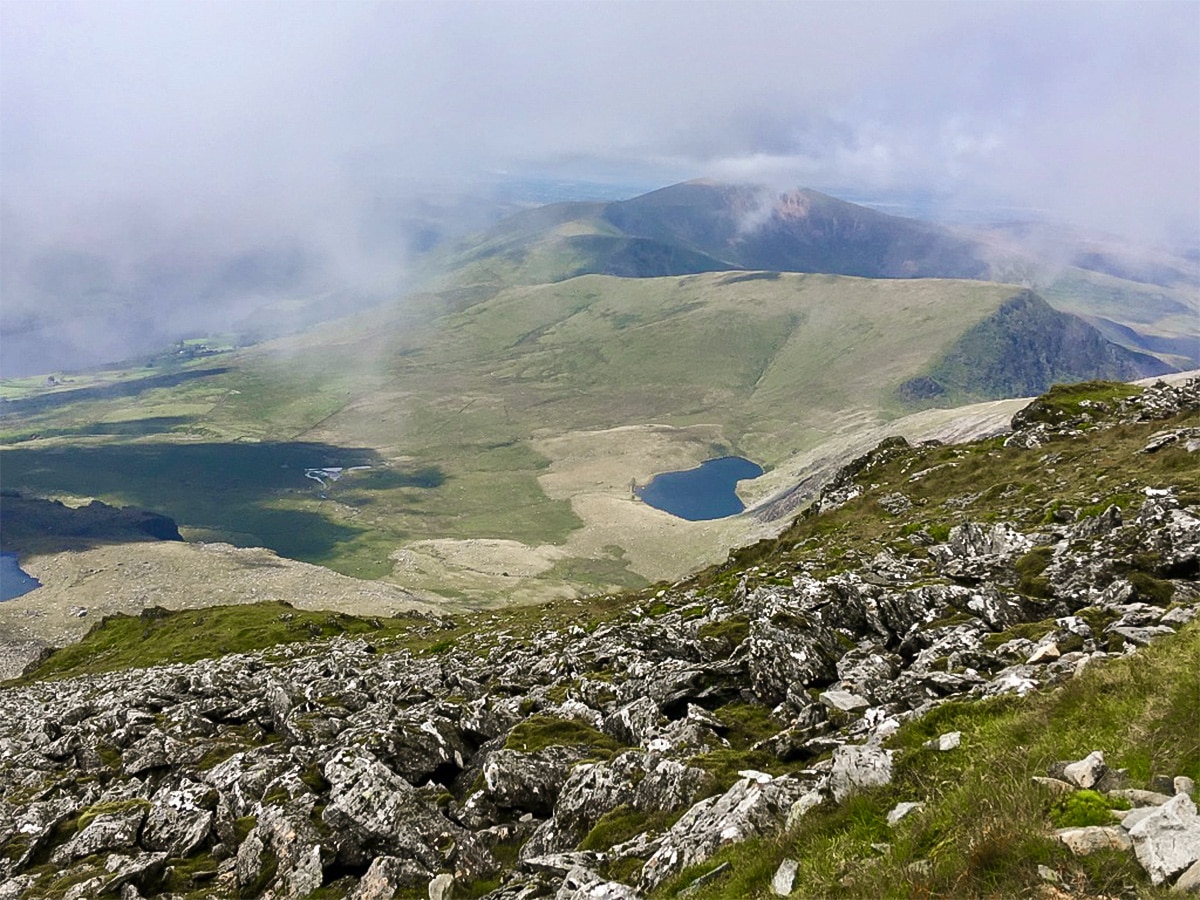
<point>117,830</point>
<point>529,782</point>
<point>372,812</point>
<point>755,805</point>
<point>641,781</point>
<point>583,884</point>
<point>386,876</point>
<point>177,820</point>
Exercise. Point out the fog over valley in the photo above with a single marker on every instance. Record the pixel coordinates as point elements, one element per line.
<point>173,169</point>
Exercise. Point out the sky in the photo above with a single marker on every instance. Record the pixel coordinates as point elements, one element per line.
<point>167,166</point>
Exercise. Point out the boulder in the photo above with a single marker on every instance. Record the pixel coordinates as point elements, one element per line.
<point>844,701</point>
<point>176,821</point>
<point>857,767</point>
<point>635,723</point>
<point>528,781</point>
<point>753,806</point>
<point>642,781</point>
<point>1189,881</point>
<point>372,812</point>
<point>1168,840</point>
<point>113,831</point>
<point>386,877</point>
<point>582,883</point>
<point>1087,771</point>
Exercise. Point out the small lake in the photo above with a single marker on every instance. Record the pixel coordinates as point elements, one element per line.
<point>706,492</point>
<point>13,580</point>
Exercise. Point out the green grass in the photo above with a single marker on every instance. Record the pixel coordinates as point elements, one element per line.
<point>625,822</point>
<point>539,732</point>
<point>158,636</point>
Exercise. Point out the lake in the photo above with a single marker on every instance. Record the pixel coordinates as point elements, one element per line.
<point>705,492</point>
<point>13,580</point>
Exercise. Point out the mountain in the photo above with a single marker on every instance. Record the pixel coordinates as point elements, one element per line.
<point>701,227</point>
<point>954,676</point>
<point>1144,300</point>
<point>800,231</point>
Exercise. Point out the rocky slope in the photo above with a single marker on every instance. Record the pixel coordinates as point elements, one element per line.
<point>556,755</point>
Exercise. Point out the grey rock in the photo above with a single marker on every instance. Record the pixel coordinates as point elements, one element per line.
<point>528,781</point>
<point>1087,771</point>
<point>844,701</point>
<point>635,723</point>
<point>581,883</point>
<point>753,806</point>
<point>857,767</point>
<point>131,871</point>
<point>176,822</point>
<point>386,876</point>
<point>373,812</point>
<point>901,810</point>
<point>1184,785</point>
<point>1130,817</point>
<point>1168,841</point>
<point>1044,653</point>
<point>642,781</point>
<point>110,831</point>
<point>441,887</point>
<point>1054,785</point>
<point>1047,874</point>
<point>1189,881</point>
<point>951,740</point>
<point>1142,636</point>
<point>1093,838</point>
<point>1141,798</point>
<point>252,862</point>
<point>784,878</point>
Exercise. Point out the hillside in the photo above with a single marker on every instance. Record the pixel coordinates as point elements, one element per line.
<point>489,452</point>
<point>983,630</point>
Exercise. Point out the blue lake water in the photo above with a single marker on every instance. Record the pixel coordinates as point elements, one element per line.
<point>13,581</point>
<point>706,492</point>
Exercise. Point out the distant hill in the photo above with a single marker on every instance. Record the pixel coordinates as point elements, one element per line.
<point>703,227</point>
<point>1022,349</point>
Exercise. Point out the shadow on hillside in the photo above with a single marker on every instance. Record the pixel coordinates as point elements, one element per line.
<point>125,428</point>
<point>234,492</point>
<point>42,402</point>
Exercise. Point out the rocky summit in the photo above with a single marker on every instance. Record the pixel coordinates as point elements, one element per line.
<point>629,752</point>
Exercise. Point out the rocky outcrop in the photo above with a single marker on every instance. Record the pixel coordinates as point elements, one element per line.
<point>588,762</point>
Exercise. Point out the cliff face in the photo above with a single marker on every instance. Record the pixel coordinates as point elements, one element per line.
<point>543,757</point>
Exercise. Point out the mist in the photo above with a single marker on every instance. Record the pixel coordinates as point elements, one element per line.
<point>182,168</point>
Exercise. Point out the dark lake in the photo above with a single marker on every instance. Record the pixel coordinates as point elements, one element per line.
<point>13,581</point>
<point>706,492</point>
